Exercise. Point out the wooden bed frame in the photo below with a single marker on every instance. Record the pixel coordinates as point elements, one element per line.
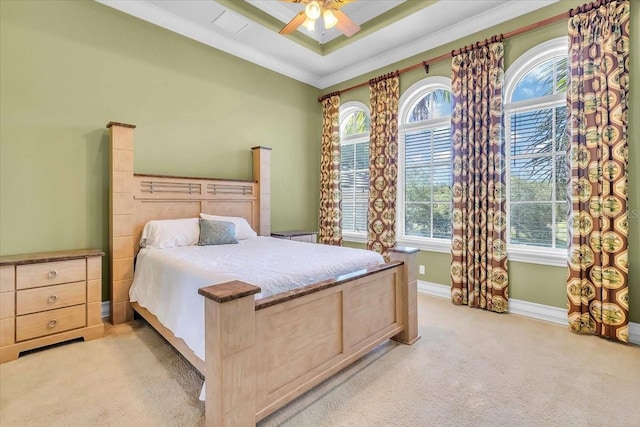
<point>260,354</point>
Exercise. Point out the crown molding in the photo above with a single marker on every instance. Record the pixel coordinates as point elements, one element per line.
<point>157,16</point>
<point>353,60</point>
<point>463,28</point>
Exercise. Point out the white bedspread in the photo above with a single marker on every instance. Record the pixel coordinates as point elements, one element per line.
<point>166,281</point>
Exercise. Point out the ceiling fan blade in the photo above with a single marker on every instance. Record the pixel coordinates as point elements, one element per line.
<point>294,23</point>
<point>346,25</point>
<point>335,4</point>
<point>329,4</point>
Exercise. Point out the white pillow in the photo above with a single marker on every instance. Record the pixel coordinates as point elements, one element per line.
<point>170,233</point>
<point>243,229</point>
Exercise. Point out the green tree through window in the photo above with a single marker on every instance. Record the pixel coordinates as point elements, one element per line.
<point>425,133</point>
<point>355,126</point>
<point>537,121</point>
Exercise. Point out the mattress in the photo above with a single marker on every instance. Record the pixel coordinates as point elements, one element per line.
<point>166,281</point>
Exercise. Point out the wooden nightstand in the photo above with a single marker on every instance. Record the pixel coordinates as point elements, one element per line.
<point>300,236</point>
<point>50,297</point>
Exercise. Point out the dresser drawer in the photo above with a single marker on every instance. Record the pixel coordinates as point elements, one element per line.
<point>50,273</point>
<point>310,238</point>
<point>7,278</point>
<point>50,297</point>
<point>50,322</point>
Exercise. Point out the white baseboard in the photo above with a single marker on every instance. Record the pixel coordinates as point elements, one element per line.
<point>634,333</point>
<point>539,311</point>
<point>525,308</point>
<point>522,308</point>
<point>104,311</point>
<point>434,289</point>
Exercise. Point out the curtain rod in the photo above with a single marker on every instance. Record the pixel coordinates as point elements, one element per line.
<point>425,64</point>
<point>589,7</point>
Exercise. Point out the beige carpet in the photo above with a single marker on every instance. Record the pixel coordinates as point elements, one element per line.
<point>471,368</point>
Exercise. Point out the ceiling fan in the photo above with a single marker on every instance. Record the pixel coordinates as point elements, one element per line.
<point>331,16</point>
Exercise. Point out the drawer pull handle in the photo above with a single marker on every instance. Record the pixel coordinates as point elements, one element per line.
<point>52,274</point>
<point>53,298</point>
<point>52,323</point>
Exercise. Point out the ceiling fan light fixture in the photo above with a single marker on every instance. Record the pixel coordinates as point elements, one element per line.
<point>309,24</point>
<point>330,12</point>
<point>313,10</point>
<point>329,19</point>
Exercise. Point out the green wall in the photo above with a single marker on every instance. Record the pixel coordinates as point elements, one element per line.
<point>69,67</point>
<point>531,282</point>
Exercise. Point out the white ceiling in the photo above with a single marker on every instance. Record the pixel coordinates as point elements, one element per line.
<point>213,24</point>
<point>359,11</point>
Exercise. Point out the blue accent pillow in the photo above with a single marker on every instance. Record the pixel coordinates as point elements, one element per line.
<point>216,233</point>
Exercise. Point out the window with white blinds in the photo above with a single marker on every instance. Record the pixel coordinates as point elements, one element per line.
<point>428,182</point>
<point>536,146</point>
<point>536,120</point>
<point>354,167</point>
<point>424,190</point>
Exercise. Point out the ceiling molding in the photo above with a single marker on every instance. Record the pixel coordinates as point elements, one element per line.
<point>261,17</point>
<point>466,27</point>
<point>284,11</point>
<point>155,15</point>
<point>428,28</point>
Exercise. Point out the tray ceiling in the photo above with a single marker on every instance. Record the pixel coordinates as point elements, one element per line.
<point>392,30</point>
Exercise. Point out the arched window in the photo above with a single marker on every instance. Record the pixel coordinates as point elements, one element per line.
<point>424,191</point>
<point>355,125</point>
<point>536,120</point>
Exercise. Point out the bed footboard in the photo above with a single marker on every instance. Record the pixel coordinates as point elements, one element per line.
<point>262,354</point>
<point>230,354</point>
<point>409,296</point>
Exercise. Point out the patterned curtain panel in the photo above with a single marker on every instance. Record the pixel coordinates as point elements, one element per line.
<point>597,100</point>
<point>330,229</point>
<point>383,163</point>
<point>479,257</point>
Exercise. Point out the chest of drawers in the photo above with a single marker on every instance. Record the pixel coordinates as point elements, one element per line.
<point>48,298</point>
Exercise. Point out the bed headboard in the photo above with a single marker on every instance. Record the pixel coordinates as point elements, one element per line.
<point>135,199</point>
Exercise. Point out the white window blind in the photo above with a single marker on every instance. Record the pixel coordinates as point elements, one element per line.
<point>428,182</point>
<point>424,176</point>
<point>537,196</point>
<point>354,180</point>
<point>536,120</point>
<point>355,125</point>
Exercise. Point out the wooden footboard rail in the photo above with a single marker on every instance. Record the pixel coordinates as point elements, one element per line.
<point>262,354</point>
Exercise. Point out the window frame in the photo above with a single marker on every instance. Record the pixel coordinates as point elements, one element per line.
<point>518,69</point>
<point>413,94</point>
<point>345,110</point>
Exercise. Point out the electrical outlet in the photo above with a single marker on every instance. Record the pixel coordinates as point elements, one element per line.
<point>421,269</point>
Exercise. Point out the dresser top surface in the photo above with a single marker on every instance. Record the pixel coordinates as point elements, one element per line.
<point>291,233</point>
<point>34,258</point>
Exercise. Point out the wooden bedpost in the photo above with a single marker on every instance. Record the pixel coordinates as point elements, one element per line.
<point>409,310</point>
<point>121,220</point>
<point>262,174</point>
<point>230,362</point>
